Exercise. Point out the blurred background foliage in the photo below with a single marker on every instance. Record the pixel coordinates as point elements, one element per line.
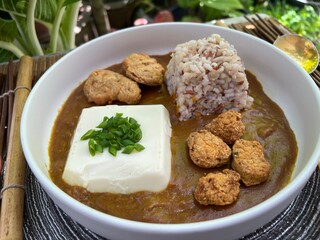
<point>302,19</point>
<point>98,17</point>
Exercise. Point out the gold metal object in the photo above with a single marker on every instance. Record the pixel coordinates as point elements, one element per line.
<point>299,48</point>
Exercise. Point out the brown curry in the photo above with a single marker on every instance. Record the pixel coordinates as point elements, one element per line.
<point>265,122</point>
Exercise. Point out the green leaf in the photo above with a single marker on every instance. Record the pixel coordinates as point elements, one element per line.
<point>21,4</point>
<point>23,34</point>
<point>45,10</point>
<point>223,5</point>
<point>68,2</point>
<point>59,16</point>
<point>68,24</point>
<point>8,30</point>
<point>188,3</point>
<point>6,55</point>
<point>190,19</point>
<point>10,40</point>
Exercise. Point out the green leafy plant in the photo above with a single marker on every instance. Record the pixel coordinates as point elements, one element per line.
<point>18,19</point>
<point>206,10</point>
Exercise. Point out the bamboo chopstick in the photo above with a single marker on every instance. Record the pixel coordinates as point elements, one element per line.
<point>11,221</point>
<point>5,105</point>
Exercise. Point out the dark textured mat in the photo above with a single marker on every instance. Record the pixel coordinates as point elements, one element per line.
<point>45,220</point>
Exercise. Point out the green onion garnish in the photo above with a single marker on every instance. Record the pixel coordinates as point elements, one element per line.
<point>115,133</point>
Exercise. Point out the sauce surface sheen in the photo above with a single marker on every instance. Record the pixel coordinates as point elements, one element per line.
<point>264,122</point>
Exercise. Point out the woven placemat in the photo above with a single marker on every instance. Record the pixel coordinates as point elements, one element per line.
<point>43,219</point>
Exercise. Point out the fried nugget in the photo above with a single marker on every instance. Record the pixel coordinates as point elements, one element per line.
<point>220,188</point>
<point>228,126</point>
<point>249,162</point>
<point>105,86</point>
<point>207,150</point>
<point>143,69</point>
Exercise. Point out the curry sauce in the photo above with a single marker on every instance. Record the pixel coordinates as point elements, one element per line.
<point>264,122</point>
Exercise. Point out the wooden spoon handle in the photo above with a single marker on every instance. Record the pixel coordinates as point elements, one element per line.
<point>11,221</point>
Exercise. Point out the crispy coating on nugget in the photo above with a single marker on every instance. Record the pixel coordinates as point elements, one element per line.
<point>105,86</point>
<point>228,126</point>
<point>207,150</point>
<point>143,69</point>
<point>249,162</point>
<point>220,188</point>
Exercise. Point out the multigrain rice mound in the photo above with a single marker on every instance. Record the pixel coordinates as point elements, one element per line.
<point>207,76</point>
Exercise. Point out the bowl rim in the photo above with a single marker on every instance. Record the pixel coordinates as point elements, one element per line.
<point>291,189</point>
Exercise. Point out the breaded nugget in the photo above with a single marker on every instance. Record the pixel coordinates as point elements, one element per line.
<point>220,188</point>
<point>249,162</point>
<point>228,126</point>
<point>207,150</point>
<point>105,86</point>
<point>143,69</point>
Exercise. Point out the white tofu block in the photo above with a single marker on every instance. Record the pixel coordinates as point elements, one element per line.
<point>148,170</point>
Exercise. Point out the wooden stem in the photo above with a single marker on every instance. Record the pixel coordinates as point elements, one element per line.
<point>11,221</point>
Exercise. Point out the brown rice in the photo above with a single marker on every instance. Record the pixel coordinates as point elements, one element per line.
<point>207,76</point>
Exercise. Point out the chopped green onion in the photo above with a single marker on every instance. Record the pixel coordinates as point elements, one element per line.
<point>115,133</point>
<point>92,148</point>
<point>128,149</point>
<point>127,142</point>
<point>113,151</point>
<point>138,147</point>
<point>99,148</point>
<point>89,134</point>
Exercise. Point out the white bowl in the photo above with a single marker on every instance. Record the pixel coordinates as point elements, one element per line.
<point>282,79</point>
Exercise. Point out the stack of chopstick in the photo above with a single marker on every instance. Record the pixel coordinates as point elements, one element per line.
<point>269,29</point>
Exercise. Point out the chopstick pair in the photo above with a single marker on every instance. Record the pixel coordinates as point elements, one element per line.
<point>6,102</point>
<point>12,192</point>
